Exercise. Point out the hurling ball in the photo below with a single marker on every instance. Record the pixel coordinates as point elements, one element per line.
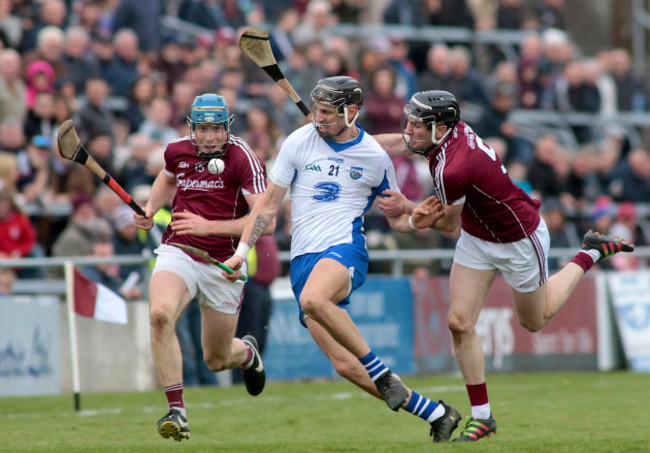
<point>216,166</point>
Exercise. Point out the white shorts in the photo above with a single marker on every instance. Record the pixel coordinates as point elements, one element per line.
<point>202,279</point>
<point>523,263</point>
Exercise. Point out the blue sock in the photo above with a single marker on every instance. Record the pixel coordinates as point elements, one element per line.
<point>373,365</point>
<point>423,407</point>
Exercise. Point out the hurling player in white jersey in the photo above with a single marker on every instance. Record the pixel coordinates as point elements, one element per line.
<point>334,171</point>
<point>501,231</point>
<point>208,209</point>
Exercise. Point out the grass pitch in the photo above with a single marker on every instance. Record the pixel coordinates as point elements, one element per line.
<point>535,412</point>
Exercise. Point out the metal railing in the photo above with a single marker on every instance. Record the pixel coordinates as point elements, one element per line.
<point>397,258</point>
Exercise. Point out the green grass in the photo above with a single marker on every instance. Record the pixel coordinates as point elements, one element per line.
<point>549,412</point>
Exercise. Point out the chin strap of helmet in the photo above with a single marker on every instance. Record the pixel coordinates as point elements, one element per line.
<point>348,125</point>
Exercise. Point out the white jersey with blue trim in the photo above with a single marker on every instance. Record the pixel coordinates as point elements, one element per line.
<point>332,186</point>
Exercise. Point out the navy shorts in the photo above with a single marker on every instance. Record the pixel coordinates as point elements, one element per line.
<point>353,256</point>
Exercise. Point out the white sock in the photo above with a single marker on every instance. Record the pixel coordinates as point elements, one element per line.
<point>482,411</point>
<point>593,253</point>
<point>437,413</point>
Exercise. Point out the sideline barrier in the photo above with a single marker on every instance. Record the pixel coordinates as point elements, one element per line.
<point>403,320</point>
<point>382,310</point>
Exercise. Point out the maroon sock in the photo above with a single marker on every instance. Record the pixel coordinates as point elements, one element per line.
<point>478,395</point>
<point>174,394</point>
<point>584,260</point>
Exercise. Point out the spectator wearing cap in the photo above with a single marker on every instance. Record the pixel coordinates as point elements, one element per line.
<point>40,118</point>
<point>13,100</point>
<point>34,167</point>
<point>39,78</point>
<point>102,58</point>
<point>143,17</point>
<point>627,226</point>
<point>84,228</point>
<point>169,61</point>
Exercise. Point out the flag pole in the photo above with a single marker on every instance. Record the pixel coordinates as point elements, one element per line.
<point>74,354</point>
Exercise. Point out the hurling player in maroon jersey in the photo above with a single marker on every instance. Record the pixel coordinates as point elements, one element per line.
<point>501,231</point>
<point>208,212</point>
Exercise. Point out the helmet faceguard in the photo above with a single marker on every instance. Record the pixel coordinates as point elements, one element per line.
<point>433,108</point>
<point>340,92</point>
<point>209,109</point>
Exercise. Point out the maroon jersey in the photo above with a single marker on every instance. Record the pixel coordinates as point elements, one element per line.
<point>465,168</point>
<point>213,197</point>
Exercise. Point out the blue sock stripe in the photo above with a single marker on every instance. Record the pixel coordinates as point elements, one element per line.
<point>420,406</point>
<point>413,402</point>
<point>373,365</point>
<point>427,409</point>
<point>377,372</point>
<point>365,360</point>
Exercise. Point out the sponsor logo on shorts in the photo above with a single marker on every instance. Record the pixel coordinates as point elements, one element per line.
<point>527,285</point>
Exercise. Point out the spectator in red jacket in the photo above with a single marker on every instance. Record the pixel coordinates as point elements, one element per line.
<point>17,233</point>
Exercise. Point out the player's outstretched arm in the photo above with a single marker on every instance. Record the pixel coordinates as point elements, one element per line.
<point>188,223</point>
<point>393,144</point>
<point>263,214</point>
<point>449,222</point>
<point>424,215</point>
<point>162,194</point>
<point>394,204</point>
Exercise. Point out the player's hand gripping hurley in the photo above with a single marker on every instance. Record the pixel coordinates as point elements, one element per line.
<point>254,42</point>
<point>71,148</point>
<point>203,254</point>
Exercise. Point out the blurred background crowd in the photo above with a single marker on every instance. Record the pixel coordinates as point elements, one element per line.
<point>127,72</point>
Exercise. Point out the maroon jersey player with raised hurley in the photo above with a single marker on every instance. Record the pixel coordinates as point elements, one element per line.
<point>501,231</point>
<point>208,210</point>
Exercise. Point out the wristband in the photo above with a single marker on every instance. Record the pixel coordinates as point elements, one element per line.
<point>242,250</point>
<point>412,225</point>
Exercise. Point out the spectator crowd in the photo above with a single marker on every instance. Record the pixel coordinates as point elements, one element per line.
<point>128,84</point>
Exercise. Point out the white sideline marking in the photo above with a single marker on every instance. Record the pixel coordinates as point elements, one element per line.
<point>435,392</point>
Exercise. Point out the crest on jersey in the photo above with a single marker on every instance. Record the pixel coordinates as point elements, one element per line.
<point>356,172</point>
